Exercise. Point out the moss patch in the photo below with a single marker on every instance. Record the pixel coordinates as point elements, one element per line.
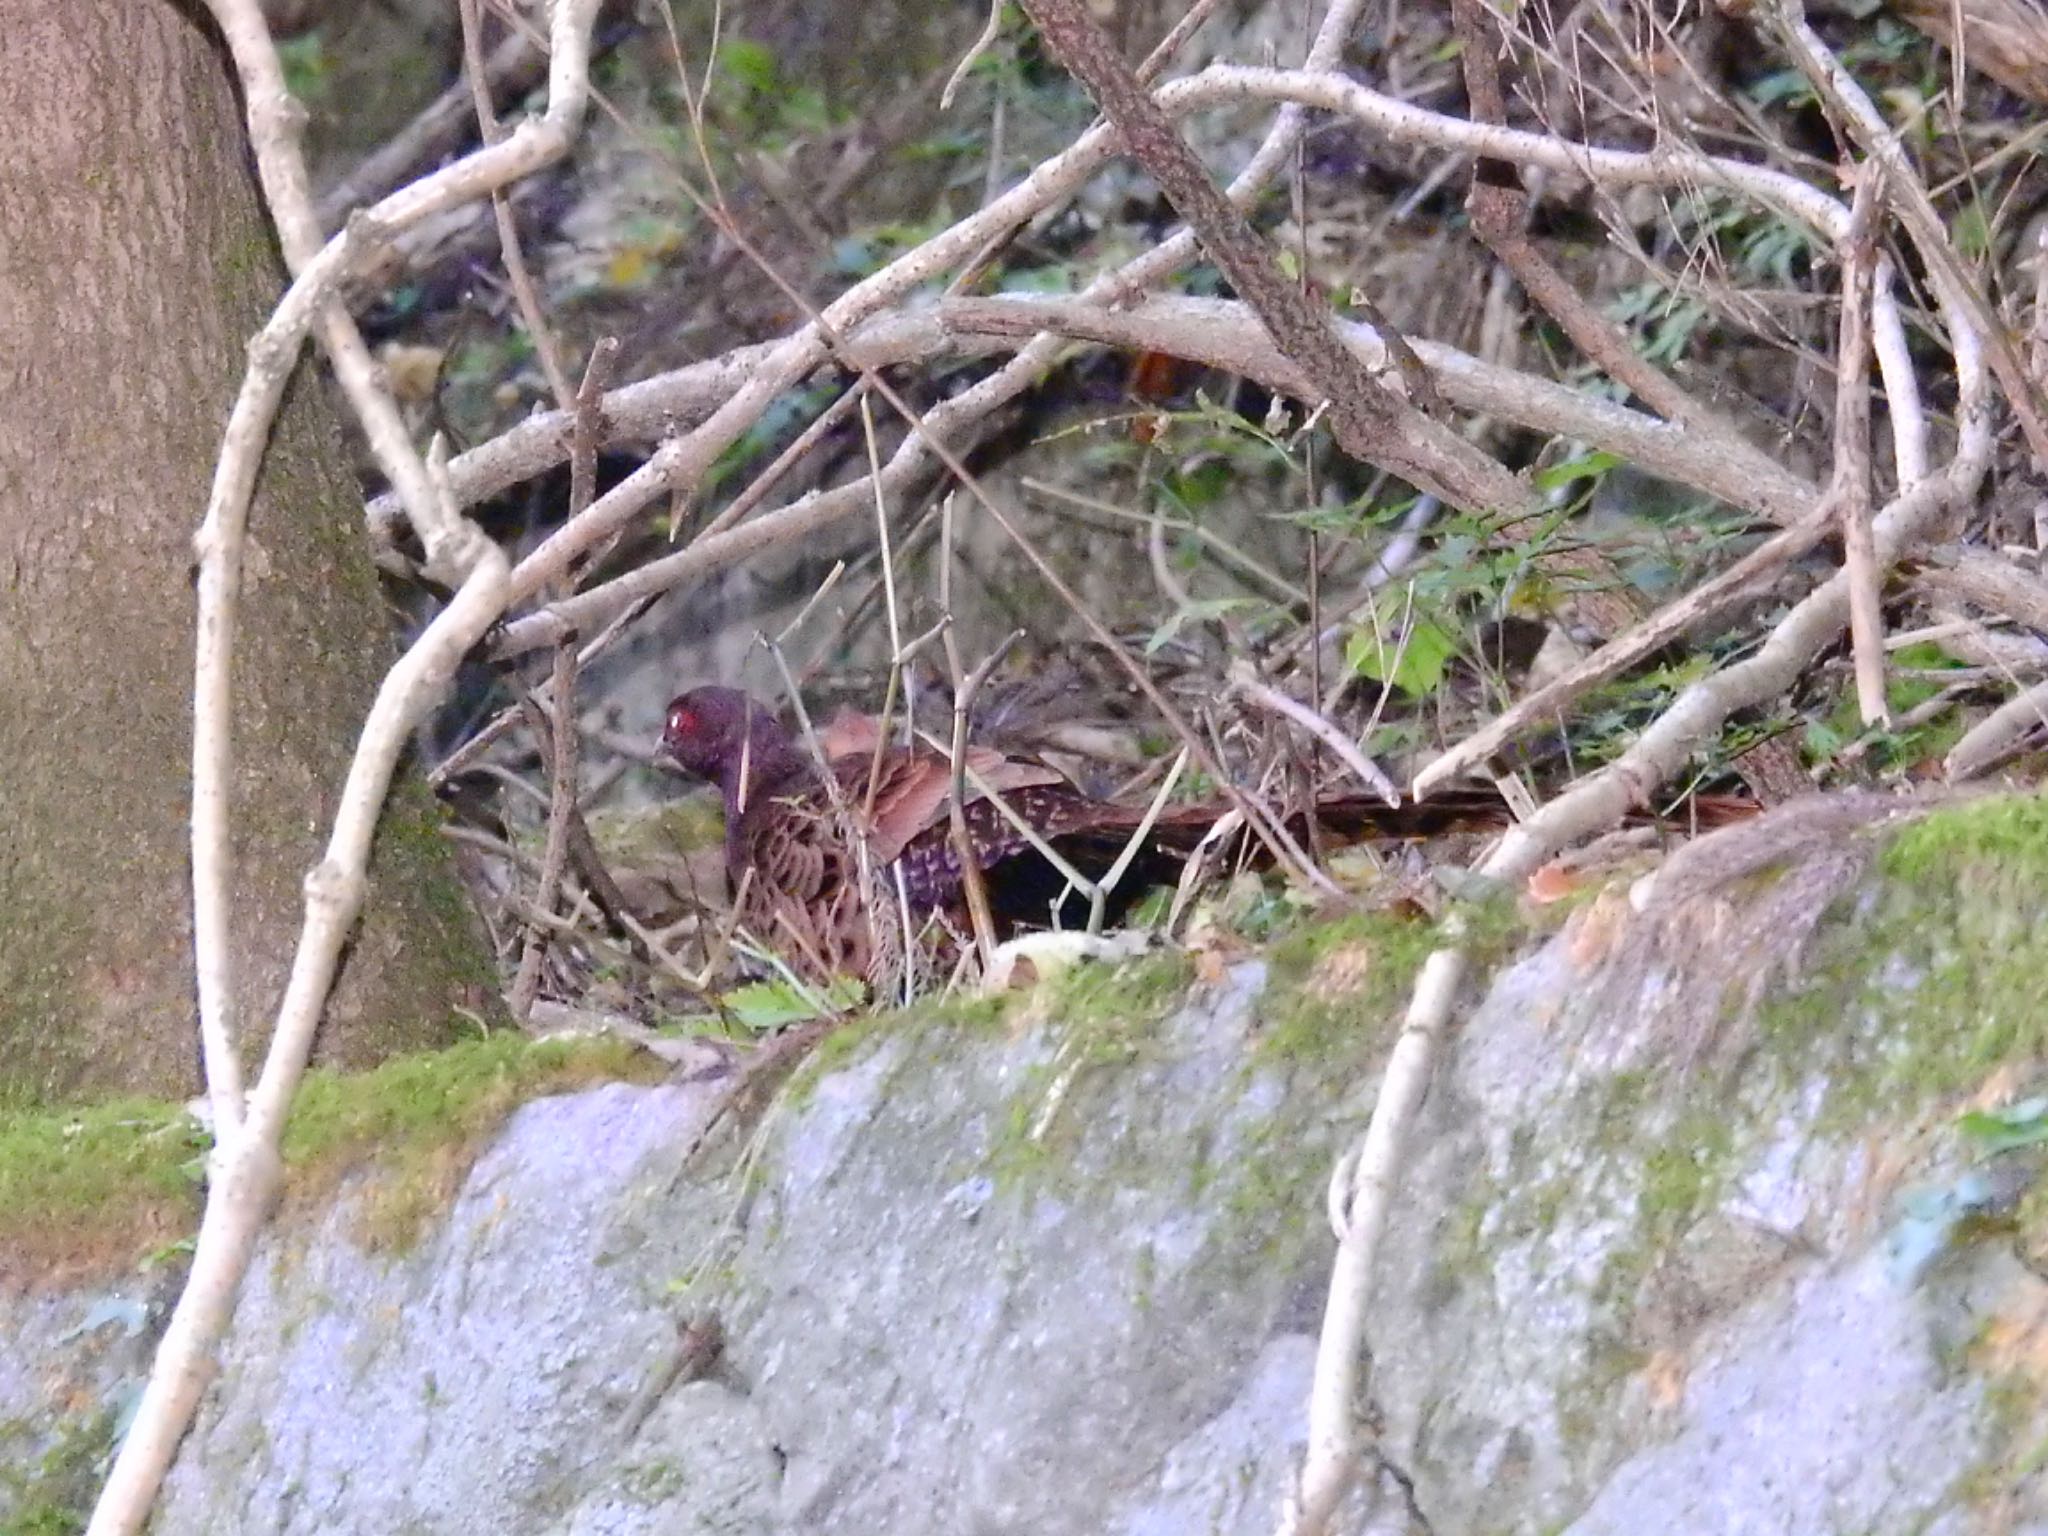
<point>1934,981</point>
<point>418,1123</point>
<point>89,1189</point>
<point>93,1190</point>
<point>1330,977</point>
<point>967,1013</point>
<point>1109,1007</point>
<point>53,1494</point>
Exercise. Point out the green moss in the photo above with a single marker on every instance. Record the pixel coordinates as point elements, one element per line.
<point>2001,837</point>
<point>1019,1157</point>
<point>100,1185</point>
<point>834,1050</point>
<point>418,1122</point>
<point>1683,1172</point>
<point>968,1013</point>
<point>652,1482</point>
<point>97,1188</point>
<point>1329,977</point>
<point>1268,1198</point>
<point>53,1496</point>
<point>1462,1251</point>
<point>1101,1017</point>
<point>1111,1007</point>
<point>1933,981</point>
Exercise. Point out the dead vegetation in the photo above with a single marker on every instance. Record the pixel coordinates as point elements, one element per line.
<point>1599,260</point>
<point>1607,402</point>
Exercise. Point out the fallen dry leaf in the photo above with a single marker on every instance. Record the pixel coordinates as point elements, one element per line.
<point>1553,882</point>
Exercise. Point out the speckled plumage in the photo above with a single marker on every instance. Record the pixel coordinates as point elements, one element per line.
<point>817,873</point>
<point>827,874</point>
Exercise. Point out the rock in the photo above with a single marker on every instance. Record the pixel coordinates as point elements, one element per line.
<point>1061,1269</point>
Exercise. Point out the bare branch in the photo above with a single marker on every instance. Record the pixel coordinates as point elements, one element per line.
<point>1849,491</point>
<point>245,1169</point>
<point>1366,1180</point>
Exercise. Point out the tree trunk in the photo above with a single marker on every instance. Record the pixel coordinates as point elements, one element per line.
<point>136,264</point>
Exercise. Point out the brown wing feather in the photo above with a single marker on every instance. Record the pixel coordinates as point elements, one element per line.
<point>805,896</point>
<point>912,788</point>
<point>812,896</point>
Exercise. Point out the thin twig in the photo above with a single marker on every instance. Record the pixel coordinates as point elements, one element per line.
<point>685,459</point>
<point>524,294</point>
<point>965,689</point>
<point>562,731</point>
<point>1245,681</point>
<point>1997,733</point>
<point>1849,491</point>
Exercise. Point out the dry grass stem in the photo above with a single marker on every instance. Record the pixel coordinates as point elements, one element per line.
<point>1246,682</point>
<point>561,732</point>
<point>1364,1194</point>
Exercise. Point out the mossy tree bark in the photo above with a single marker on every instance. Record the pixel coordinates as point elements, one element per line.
<point>136,264</point>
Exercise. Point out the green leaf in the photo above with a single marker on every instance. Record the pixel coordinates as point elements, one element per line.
<point>2024,1124</point>
<point>1201,483</point>
<point>751,63</point>
<point>1198,612</point>
<point>1589,466</point>
<point>769,1005</point>
<point>1416,667</point>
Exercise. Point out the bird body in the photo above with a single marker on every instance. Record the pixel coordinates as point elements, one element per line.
<point>820,868</point>
<point>826,866</point>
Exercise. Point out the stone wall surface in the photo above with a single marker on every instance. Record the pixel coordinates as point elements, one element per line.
<point>1060,1267</point>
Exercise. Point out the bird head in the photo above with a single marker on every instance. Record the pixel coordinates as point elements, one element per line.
<point>728,737</point>
<point>707,729</point>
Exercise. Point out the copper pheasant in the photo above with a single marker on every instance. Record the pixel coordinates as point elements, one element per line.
<point>815,867</point>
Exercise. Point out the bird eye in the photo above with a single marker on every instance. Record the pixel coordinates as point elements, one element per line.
<point>683,720</point>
